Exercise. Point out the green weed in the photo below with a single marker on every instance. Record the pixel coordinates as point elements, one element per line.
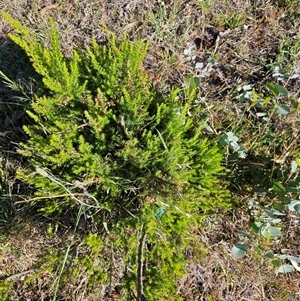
<point>133,160</point>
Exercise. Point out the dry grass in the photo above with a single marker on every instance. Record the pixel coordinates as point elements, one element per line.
<point>257,36</point>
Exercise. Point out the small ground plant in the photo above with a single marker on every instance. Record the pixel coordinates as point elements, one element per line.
<point>268,211</point>
<point>103,142</point>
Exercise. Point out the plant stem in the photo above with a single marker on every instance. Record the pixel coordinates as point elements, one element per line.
<point>140,292</point>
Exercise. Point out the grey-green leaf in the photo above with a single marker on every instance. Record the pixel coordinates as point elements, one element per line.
<point>270,232</point>
<point>285,268</point>
<point>282,110</point>
<point>239,250</point>
<point>297,208</point>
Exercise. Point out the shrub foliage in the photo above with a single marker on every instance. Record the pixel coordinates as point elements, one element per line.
<point>101,138</point>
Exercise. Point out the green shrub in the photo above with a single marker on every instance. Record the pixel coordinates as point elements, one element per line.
<point>102,139</point>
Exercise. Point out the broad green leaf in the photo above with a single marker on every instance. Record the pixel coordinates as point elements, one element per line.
<point>279,189</point>
<point>292,187</point>
<point>282,110</point>
<point>239,250</point>
<point>228,138</point>
<point>268,212</point>
<point>294,205</point>
<point>293,258</point>
<point>241,97</point>
<point>295,103</point>
<point>212,61</point>
<point>274,232</point>
<point>255,227</point>
<point>259,249</point>
<point>278,206</point>
<point>285,268</point>
<point>277,90</point>
<point>276,262</point>
<point>270,232</point>
<point>297,208</point>
<point>270,255</point>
